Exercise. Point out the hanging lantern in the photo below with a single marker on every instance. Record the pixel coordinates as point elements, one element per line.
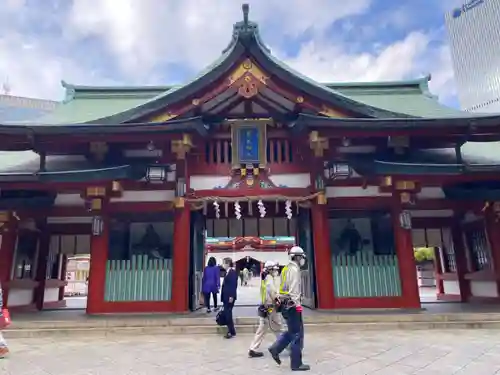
<point>237,210</point>
<point>405,219</point>
<point>97,225</point>
<point>156,173</point>
<point>262,208</point>
<point>288,209</point>
<point>217,209</point>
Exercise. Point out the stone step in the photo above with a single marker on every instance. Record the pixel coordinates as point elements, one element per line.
<point>208,321</point>
<point>130,331</point>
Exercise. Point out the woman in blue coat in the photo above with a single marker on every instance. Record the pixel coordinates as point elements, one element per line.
<point>211,283</point>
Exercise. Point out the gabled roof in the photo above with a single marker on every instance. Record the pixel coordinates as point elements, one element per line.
<point>87,103</point>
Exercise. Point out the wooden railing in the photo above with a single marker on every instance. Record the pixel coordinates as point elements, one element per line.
<point>366,275</point>
<point>138,279</point>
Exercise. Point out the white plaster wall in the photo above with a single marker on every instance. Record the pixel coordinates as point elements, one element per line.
<point>483,288</point>
<point>208,182</point>
<point>431,193</point>
<point>261,256</point>
<point>145,196</point>
<point>20,297</point>
<point>291,180</point>
<point>451,287</point>
<point>69,200</point>
<point>354,191</point>
<point>51,295</point>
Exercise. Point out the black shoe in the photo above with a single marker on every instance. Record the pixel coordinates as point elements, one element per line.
<point>302,367</point>
<point>254,354</point>
<point>275,356</point>
<point>209,311</point>
<point>228,336</point>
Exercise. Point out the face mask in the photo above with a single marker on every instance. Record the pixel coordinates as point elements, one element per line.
<point>302,262</point>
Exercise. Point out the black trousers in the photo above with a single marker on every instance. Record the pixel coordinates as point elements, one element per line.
<point>206,296</point>
<point>228,310</point>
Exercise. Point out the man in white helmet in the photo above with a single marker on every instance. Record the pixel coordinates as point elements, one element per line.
<point>268,317</point>
<point>291,308</point>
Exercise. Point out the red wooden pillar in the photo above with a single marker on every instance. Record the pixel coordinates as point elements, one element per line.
<point>460,259</point>
<point>181,251</point>
<point>493,231</point>
<point>97,273</point>
<point>41,269</point>
<point>406,262</point>
<point>322,257</point>
<point>8,233</point>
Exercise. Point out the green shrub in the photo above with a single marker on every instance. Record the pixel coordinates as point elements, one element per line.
<point>423,254</point>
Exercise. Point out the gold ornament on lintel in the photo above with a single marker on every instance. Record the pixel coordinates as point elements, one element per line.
<point>179,202</point>
<point>116,186</point>
<point>321,198</point>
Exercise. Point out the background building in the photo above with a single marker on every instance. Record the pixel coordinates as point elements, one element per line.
<point>474,37</point>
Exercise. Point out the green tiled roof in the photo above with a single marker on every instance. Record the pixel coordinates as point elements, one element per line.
<point>86,103</point>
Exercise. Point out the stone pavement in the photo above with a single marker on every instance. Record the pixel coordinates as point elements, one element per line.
<point>474,352</point>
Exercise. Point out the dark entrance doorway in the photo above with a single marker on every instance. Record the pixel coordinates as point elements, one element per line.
<point>252,265</point>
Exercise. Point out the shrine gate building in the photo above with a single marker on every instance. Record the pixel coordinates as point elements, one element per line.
<point>357,173</point>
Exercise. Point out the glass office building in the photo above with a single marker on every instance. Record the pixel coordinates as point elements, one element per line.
<point>474,38</point>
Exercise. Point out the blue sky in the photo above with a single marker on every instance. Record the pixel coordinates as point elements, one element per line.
<point>168,41</point>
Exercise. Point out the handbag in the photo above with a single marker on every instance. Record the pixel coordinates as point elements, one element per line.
<point>263,311</point>
<point>221,318</point>
<point>5,319</point>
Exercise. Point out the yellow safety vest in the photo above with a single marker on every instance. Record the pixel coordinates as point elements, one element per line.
<point>284,287</point>
<point>263,291</point>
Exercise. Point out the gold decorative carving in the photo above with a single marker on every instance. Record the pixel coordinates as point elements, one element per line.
<point>116,186</point>
<point>96,204</point>
<point>322,198</point>
<point>164,117</point>
<point>245,68</point>
<point>405,185</point>
<point>249,87</point>
<point>195,102</point>
<point>386,181</point>
<point>180,147</point>
<point>299,99</point>
<point>96,191</point>
<point>179,202</point>
<point>318,144</point>
<point>330,112</point>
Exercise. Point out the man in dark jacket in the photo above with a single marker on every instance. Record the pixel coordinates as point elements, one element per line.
<point>229,294</point>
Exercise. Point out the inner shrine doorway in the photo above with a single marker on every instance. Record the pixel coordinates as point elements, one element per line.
<point>259,232</point>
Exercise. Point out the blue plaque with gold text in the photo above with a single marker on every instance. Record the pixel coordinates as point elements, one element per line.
<point>248,144</point>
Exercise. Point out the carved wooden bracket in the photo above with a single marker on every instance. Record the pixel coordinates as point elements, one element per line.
<point>318,144</point>
<point>180,147</point>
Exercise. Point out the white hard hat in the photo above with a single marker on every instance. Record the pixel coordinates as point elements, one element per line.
<point>269,264</point>
<point>296,250</point>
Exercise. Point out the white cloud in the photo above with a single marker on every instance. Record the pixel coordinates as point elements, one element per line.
<point>143,36</point>
<point>411,57</point>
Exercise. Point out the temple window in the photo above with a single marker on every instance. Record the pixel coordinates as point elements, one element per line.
<point>279,151</point>
<point>478,246</point>
<point>249,227</point>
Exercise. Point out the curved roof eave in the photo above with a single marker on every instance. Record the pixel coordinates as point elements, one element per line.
<point>246,38</point>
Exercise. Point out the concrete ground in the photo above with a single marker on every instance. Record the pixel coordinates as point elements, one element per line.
<point>474,352</point>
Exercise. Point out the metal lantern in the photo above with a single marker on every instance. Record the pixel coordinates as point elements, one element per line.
<point>180,189</point>
<point>338,170</point>
<point>405,219</point>
<point>156,173</point>
<point>97,225</point>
